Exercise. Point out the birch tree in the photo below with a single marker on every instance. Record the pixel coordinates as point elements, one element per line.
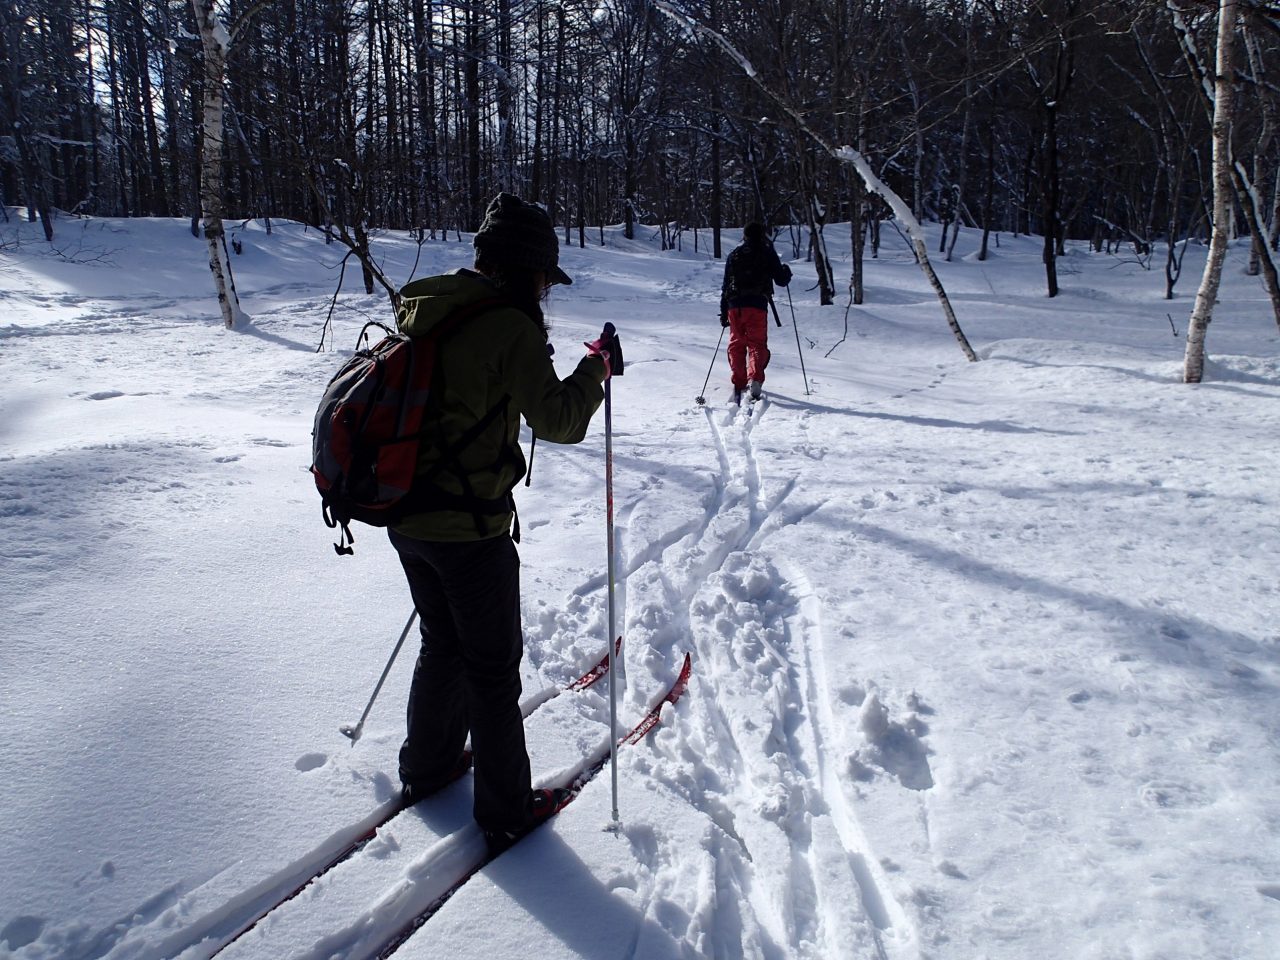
<point>1245,190</point>
<point>1223,192</point>
<point>216,44</point>
<point>1266,136</point>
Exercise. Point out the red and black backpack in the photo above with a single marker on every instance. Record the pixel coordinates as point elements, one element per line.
<point>369,426</point>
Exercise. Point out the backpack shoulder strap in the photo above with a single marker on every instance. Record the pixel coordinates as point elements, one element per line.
<point>426,495</point>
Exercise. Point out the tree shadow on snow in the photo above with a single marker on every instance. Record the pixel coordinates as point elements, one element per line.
<point>1180,639</point>
<point>252,329</point>
<point>989,426</point>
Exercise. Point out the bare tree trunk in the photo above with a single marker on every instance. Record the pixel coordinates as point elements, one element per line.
<point>1223,194</point>
<point>32,174</point>
<point>159,196</point>
<point>1260,259</point>
<point>1251,204</point>
<point>539,111</point>
<point>717,174</point>
<point>821,259</point>
<point>216,43</point>
<point>1266,134</point>
<point>504,148</point>
<point>961,182</point>
<point>917,172</point>
<point>858,220</point>
<point>717,188</point>
<point>1049,196</point>
<point>175,122</point>
<point>471,107</point>
<point>988,190</point>
<point>1274,240</point>
<point>91,119</point>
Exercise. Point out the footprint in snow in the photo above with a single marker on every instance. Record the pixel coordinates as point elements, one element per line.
<point>1173,795</point>
<point>20,931</point>
<point>892,746</point>
<point>310,761</point>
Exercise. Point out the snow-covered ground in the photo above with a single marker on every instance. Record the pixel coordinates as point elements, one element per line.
<point>985,654</point>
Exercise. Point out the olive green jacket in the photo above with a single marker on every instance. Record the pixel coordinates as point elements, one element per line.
<point>499,353</point>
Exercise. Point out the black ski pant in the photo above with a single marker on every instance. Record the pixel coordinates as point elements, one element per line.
<point>467,677</point>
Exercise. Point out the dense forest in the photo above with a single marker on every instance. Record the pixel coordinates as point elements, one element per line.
<point>1068,119</point>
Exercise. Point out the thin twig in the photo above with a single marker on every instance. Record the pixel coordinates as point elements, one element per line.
<point>326,329</point>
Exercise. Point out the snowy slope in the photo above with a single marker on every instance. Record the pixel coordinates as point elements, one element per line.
<point>986,655</point>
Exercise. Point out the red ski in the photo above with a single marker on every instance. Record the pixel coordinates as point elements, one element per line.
<point>654,716</point>
<point>596,672</point>
<point>575,785</point>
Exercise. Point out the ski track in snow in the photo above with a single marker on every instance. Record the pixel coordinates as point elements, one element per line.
<point>750,751</point>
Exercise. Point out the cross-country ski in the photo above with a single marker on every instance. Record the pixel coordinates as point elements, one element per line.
<point>572,785</point>
<point>345,844</point>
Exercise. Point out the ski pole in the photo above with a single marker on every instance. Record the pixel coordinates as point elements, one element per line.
<point>609,332</point>
<point>701,398</point>
<point>799,350</point>
<point>353,732</point>
<point>772,306</point>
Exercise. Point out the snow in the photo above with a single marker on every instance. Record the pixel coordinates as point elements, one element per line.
<point>985,654</point>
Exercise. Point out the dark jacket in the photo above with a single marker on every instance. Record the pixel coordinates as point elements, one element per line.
<point>750,272</point>
<point>502,353</point>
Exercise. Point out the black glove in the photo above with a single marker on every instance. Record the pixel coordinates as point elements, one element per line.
<point>786,273</point>
<point>724,320</point>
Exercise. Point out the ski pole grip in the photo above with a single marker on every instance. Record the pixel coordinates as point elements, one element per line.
<point>609,337</point>
<point>608,347</point>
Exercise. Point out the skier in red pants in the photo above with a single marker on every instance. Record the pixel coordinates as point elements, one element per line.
<point>749,275</point>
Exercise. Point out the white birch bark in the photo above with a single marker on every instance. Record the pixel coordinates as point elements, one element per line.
<point>1246,192</point>
<point>1223,195</point>
<point>216,43</point>
<point>1262,258</point>
<point>846,154</point>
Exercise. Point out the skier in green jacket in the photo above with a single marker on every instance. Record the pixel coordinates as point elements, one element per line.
<point>458,553</point>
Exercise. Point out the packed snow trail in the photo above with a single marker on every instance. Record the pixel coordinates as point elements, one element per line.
<point>789,859</point>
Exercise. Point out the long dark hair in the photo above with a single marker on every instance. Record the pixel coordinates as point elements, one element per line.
<point>519,286</point>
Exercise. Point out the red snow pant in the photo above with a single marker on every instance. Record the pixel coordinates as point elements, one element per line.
<point>748,344</point>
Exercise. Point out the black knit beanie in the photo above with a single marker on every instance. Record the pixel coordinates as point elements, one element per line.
<point>520,235</point>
